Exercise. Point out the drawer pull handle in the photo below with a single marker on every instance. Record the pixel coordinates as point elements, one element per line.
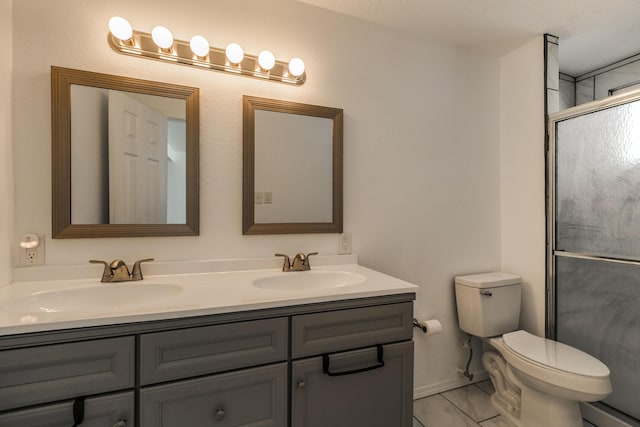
<point>301,385</point>
<point>486,293</point>
<point>220,414</point>
<point>121,423</point>
<point>326,361</point>
<point>78,411</point>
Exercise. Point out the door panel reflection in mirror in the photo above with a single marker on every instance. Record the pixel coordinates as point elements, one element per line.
<point>292,176</point>
<point>125,156</point>
<point>122,152</point>
<point>293,162</point>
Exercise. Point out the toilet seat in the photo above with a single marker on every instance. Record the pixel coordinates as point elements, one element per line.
<point>569,371</point>
<point>554,355</point>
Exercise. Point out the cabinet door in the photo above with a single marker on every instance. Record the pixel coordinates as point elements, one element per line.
<point>103,411</point>
<point>254,397</point>
<point>380,397</point>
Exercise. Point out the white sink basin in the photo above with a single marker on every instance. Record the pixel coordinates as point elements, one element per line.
<point>309,280</point>
<point>103,297</point>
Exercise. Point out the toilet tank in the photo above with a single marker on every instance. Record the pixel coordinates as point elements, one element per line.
<point>488,303</point>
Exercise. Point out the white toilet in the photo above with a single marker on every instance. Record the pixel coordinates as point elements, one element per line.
<point>538,382</point>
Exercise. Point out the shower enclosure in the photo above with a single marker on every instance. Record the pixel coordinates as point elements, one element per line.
<point>594,238</point>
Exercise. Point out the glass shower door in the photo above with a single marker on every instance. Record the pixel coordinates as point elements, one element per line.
<point>594,257</point>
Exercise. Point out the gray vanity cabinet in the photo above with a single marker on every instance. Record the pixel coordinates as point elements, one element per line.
<point>370,386</point>
<point>380,397</point>
<point>332,364</point>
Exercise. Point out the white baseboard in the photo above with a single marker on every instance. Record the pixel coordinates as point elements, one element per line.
<point>431,389</point>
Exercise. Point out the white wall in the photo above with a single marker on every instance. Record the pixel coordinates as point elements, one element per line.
<point>421,155</point>
<point>523,180</point>
<point>425,203</point>
<point>6,181</point>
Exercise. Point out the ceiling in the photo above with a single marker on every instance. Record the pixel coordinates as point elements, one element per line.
<point>592,33</point>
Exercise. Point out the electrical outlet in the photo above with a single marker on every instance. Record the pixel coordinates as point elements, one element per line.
<point>344,244</point>
<point>258,198</point>
<point>268,197</point>
<point>31,255</point>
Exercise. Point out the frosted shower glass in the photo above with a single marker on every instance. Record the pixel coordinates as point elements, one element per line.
<point>598,183</point>
<point>598,311</point>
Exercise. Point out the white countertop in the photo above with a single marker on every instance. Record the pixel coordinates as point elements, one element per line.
<point>199,293</point>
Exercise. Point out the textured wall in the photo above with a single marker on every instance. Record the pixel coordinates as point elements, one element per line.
<point>523,180</point>
<point>6,190</point>
<point>421,156</point>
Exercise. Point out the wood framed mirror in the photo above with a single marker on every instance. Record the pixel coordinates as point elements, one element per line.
<point>124,156</point>
<point>292,167</point>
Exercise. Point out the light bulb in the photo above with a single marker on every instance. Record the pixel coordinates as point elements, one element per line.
<point>234,53</point>
<point>120,28</point>
<point>199,46</point>
<point>162,37</point>
<point>296,67</point>
<point>266,60</point>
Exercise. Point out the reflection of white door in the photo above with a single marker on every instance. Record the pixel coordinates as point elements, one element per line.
<point>137,162</point>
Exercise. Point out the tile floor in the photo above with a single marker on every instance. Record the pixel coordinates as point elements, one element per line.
<point>468,406</point>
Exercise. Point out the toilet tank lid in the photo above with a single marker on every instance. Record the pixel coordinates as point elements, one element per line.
<point>488,280</point>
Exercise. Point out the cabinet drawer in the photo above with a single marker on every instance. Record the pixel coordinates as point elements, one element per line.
<point>380,397</point>
<point>204,350</point>
<point>346,329</point>
<point>103,411</point>
<point>252,397</point>
<point>35,375</point>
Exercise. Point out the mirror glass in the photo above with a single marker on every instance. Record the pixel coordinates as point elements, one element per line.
<point>125,156</point>
<point>293,167</point>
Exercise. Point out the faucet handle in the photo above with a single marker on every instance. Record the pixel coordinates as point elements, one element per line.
<point>106,274</point>
<point>306,263</point>
<point>286,266</point>
<point>117,263</point>
<point>137,270</point>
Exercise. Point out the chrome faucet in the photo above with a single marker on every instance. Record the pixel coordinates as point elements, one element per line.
<point>117,270</point>
<point>300,262</point>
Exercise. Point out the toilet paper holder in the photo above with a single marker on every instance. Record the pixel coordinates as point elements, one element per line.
<point>429,327</point>
<point>417,324</point>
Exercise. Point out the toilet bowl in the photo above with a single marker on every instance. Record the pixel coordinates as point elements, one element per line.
<point>538,382</point>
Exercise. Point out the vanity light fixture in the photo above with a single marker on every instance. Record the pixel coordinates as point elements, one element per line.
<point>197,52</point>
<point>199,46</point>
<point>266,60</point>
<point>162,37</point>
<point>121,29</point>
<point>234,53</point>
<point>296,67</point>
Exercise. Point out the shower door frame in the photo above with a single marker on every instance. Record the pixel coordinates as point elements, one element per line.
<point>595,411</point>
